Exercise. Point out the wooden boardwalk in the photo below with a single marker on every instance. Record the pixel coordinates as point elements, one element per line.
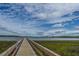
<point>25,49</point>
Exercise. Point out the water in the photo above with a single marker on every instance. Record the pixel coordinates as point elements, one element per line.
<point>10,38</point>
<point>18,38</point>
<point>54,38</point>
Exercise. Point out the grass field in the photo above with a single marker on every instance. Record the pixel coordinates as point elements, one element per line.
<point>4,45</point>
<point>62,47</point>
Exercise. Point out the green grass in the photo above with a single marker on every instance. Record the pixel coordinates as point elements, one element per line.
<point>4,45</point>
<point>65,48</point>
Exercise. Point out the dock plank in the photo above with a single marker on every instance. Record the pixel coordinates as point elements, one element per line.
<point>25,49</point>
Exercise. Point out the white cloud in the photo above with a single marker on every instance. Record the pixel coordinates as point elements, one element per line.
<point>58,25</point>
<point>22,29</point>
<point>77,27</point>
<point>53,12</point>
<point>50,12</point>
<point>53,31</point>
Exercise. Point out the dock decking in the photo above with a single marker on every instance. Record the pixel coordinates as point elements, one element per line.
<point>25,49</point>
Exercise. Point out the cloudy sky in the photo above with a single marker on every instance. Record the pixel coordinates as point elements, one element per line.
<point>39,19</point>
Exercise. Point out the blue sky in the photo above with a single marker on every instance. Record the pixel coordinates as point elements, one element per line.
<point>39,19</point>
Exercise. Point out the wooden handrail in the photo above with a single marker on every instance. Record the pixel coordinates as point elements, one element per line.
<point>12,50</point>
<point>44,50</point>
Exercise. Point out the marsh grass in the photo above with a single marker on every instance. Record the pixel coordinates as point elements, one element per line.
<point>64,48</point>
<point>4,45</point>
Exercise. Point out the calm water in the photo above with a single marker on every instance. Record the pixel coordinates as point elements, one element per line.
<point>10,38</point>
<point>18,38</point>
<point>54,38</point>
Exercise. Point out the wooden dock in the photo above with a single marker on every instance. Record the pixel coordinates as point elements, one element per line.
<point>25,49</point>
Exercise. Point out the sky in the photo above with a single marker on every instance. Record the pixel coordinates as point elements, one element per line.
<point>39,19</point>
